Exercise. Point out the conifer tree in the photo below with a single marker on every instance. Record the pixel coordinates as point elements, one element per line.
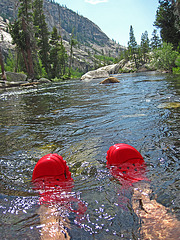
<point>155,40</point>
<point>73,43</point>
<point>168,22</point>
<point>145,45</point>
<point>62,59</point>
<point>132,45</point>
<point>42,33</point>
<point>23,34</point>
<point>54,53</point>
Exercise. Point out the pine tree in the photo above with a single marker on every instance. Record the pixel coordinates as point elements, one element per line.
<point>42,33</point>
<point>168,22</point>
<point>73,43</point>
<point>132,45</point>
<point>62,59</point>
<point>23,34</point>
<point>145,45</point>
<point>55,54</point>
<point>155,40</point>
<point>132,41</point>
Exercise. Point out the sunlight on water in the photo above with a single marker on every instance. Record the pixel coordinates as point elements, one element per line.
<point>169,105</point>
<point>80,121</point>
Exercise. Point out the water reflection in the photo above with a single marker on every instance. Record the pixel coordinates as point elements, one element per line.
<point>80,120</point>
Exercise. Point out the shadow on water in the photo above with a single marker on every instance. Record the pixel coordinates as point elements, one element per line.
<point>80,121</point>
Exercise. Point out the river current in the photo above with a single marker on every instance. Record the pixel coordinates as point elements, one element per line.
<point>80,120</point>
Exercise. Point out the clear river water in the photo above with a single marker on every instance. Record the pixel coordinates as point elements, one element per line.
<point>80,120</point>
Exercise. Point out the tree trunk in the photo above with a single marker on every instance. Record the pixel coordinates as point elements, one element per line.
<point>2,66</point>
<point>30,69</point>
<point>70,60</point>
<point>30,60</point>
<point>25,60</point>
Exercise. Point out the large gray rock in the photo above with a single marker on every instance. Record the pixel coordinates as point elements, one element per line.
<point>99,73</point>
<point>112,69</point>
<point>44,80</point>
<point>16,77</point>
<point>103,72</point>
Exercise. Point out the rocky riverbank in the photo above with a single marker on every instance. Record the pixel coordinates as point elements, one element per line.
<point>20,80</point>
<point>122,67</point>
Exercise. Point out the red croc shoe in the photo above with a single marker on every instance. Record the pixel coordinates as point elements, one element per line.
<point>52,165</point>
<point>52,179</point>
<point>125,163</point>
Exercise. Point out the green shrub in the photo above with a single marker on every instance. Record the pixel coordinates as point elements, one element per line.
<point>10,63</point>
<point>176,70</point>
<point>177,62</point>
<point>165,57</point>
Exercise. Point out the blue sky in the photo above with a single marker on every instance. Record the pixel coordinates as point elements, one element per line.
<point>114,17</point>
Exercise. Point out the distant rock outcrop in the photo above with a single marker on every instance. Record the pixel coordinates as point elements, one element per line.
<point>103,71</point>
<point>5,37</point>
<point>112,69</point>
<point>98,73</point>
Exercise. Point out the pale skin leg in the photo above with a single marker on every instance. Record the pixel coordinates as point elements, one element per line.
<point>53,226</point>
<point>156,222</point>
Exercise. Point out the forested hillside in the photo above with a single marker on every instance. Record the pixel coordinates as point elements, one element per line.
<point>88,34</point>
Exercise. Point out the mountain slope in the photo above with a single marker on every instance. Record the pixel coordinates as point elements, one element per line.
<point>84,29</point>
<point>91,40</point>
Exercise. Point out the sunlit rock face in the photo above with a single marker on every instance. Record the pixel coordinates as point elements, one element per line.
<point>95,74</point>
<point>110,80</point>
<point>103,72</point>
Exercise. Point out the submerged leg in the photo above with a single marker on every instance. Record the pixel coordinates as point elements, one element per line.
<point>53,226</point>
<point>156,222</point>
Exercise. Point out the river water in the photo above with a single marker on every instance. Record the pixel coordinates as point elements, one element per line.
<point>80,121</point>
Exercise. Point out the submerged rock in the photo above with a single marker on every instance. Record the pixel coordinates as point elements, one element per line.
<point>169,105</point>
<point>110,80</point>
